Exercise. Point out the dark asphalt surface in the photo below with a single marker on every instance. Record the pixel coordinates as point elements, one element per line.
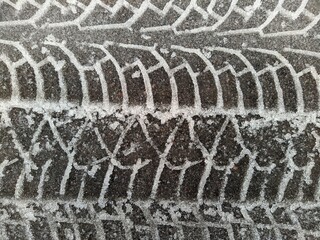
<point>159,119</point>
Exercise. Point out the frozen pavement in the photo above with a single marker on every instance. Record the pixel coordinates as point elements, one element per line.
<point>159,119</point>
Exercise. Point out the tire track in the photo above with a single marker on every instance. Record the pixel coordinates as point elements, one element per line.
<point>238,71</point>
<point>258,17</point>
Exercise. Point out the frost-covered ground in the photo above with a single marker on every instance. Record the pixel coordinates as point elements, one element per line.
<point>159,119</point>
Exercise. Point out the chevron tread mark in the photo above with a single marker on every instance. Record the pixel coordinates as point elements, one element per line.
<point>213,77</point>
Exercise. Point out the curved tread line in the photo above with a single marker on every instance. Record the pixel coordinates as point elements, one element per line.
<point>272,15</point>
<point>15,92</point>
<point>310,69</point>
<point>122,79</point>
<point>146,81</point>
<point>193,75</point>
<point>294,15</point>
<point>38,76</point>
<point>298,87</point>
<point>164,64</point>
<point>80,68</point>
<point>58,65</point>
<point>147,84</point>
<point>280,98</point>
<point>229,67</point>
<point>210,68</point>
<point>252,70</point>
<point>104,85</point>
<point>172,80</point>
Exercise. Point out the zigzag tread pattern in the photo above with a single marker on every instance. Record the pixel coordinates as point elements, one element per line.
<point>268,18</point>
<point>187,176</point>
